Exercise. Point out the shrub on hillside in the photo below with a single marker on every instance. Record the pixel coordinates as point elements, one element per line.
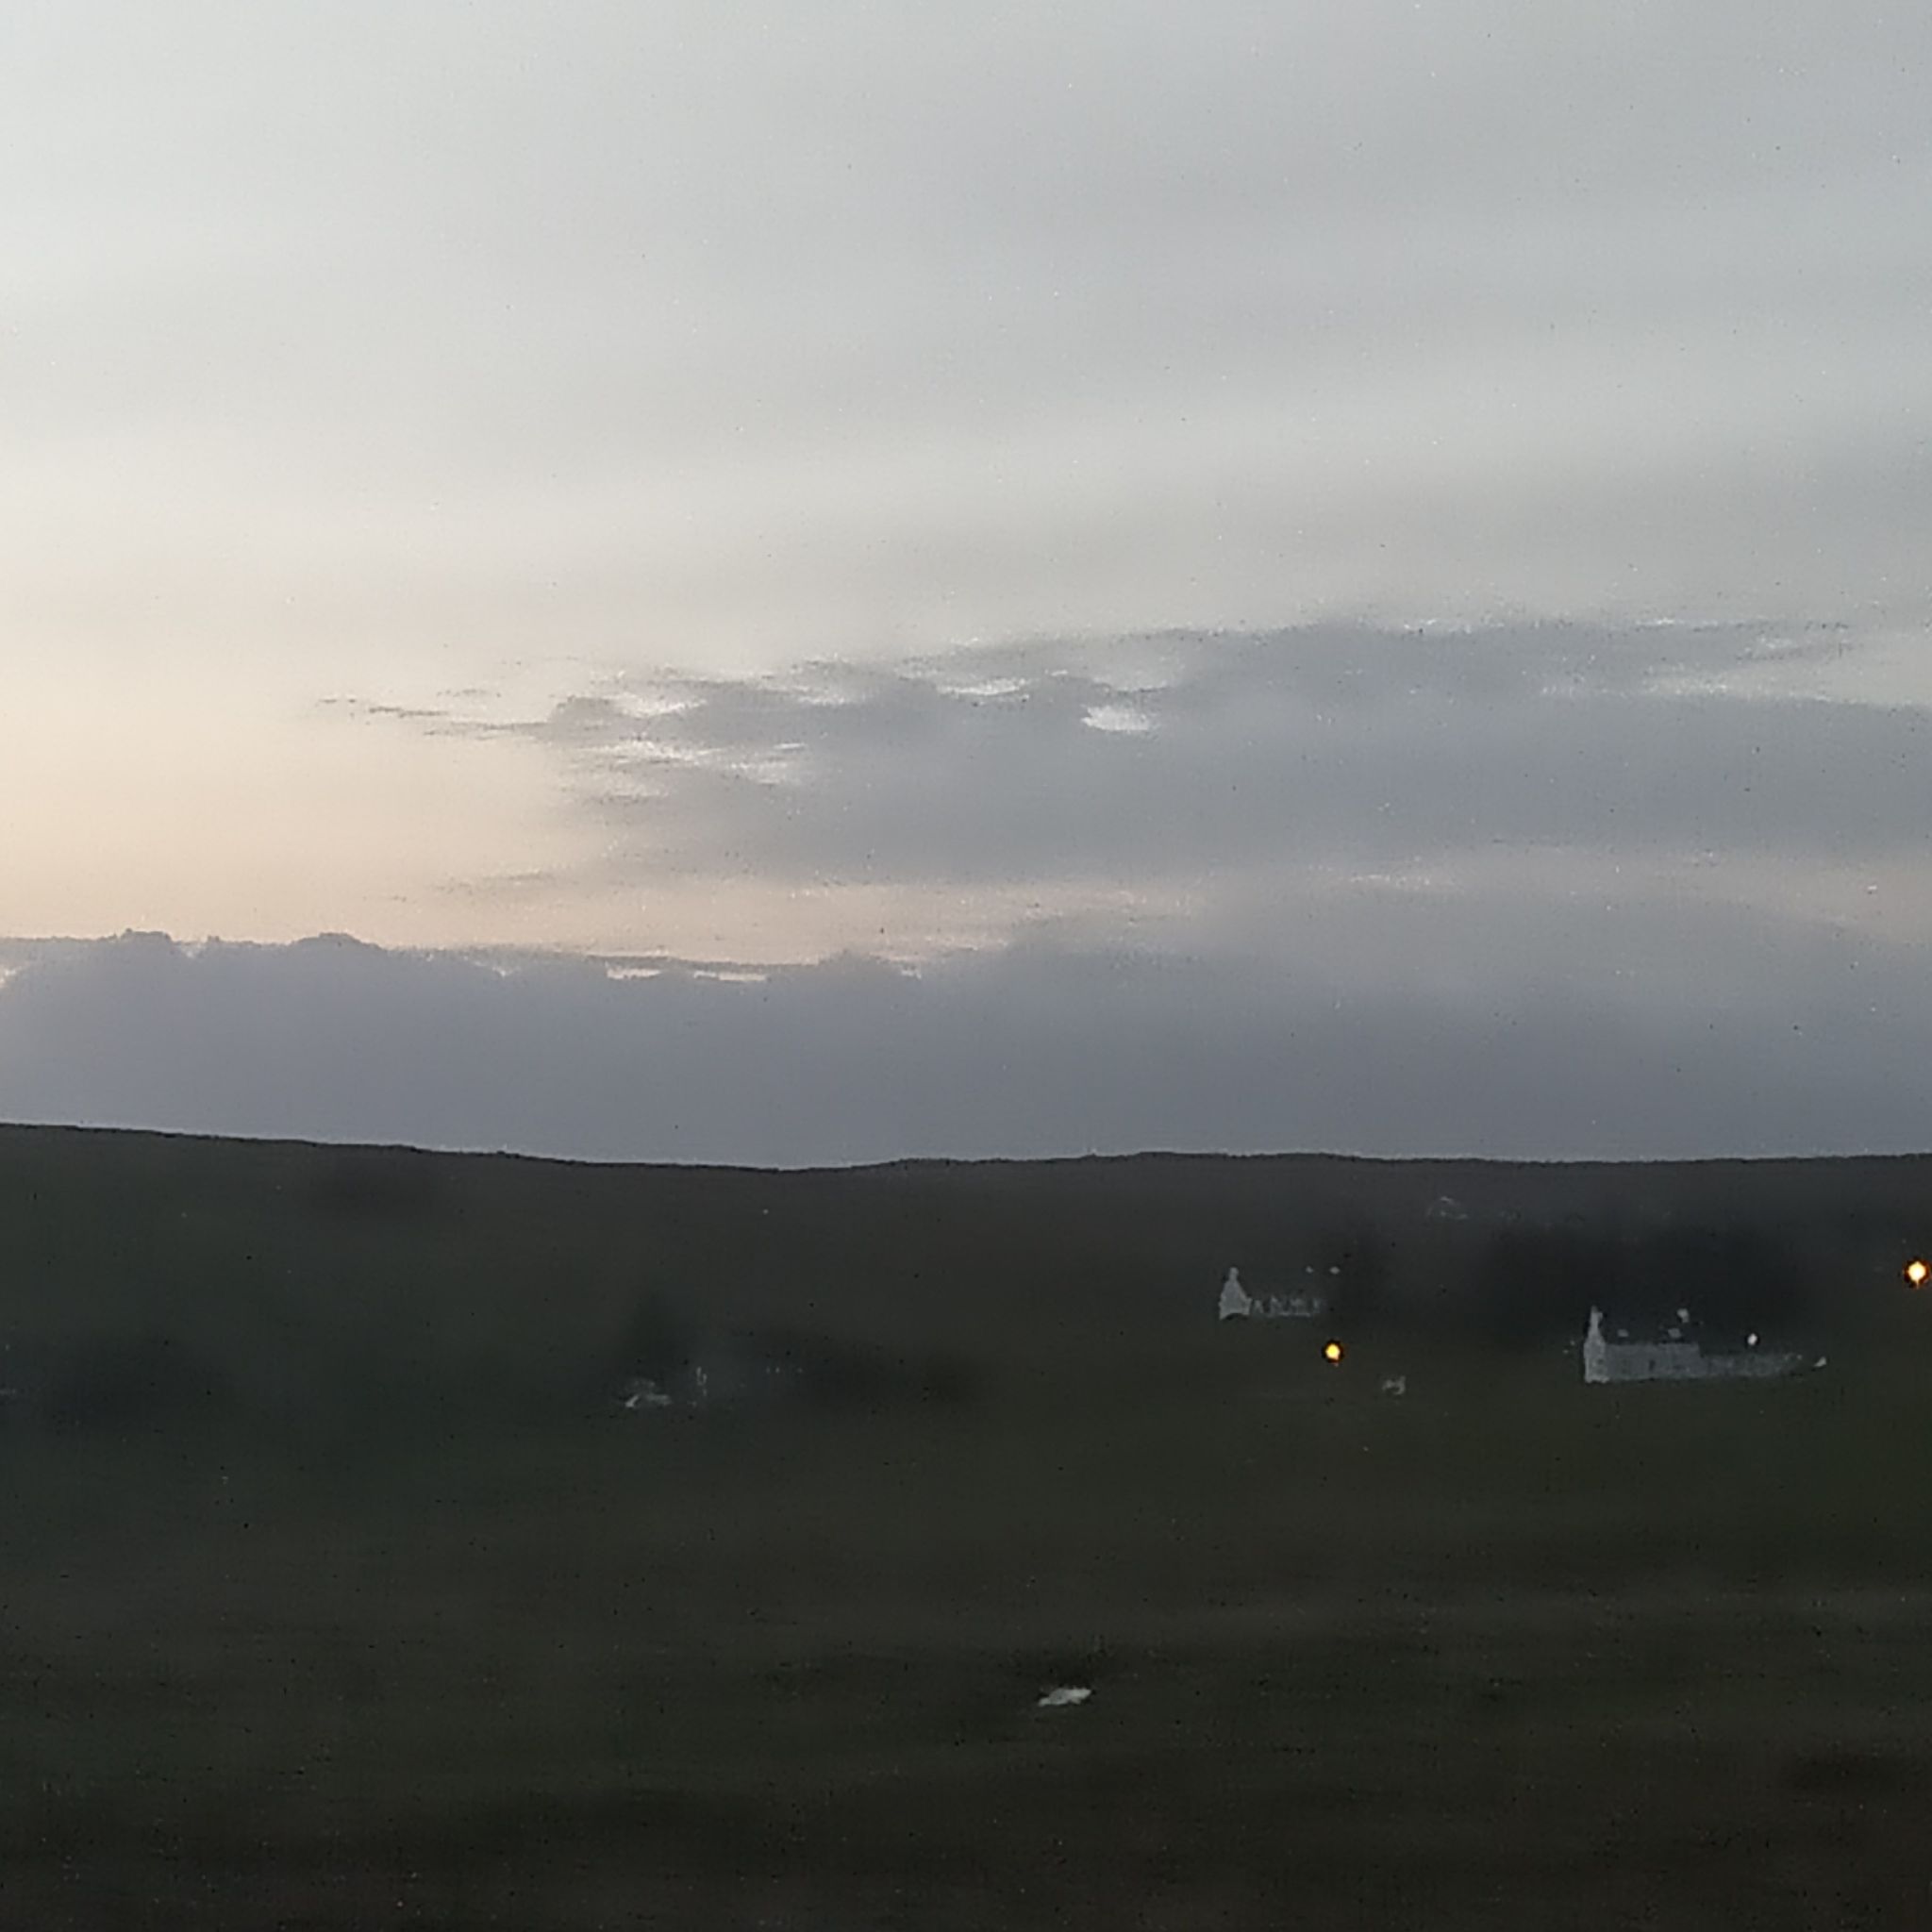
<point>122,1383</point>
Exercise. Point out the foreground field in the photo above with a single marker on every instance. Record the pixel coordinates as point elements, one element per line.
<point>1504,1653</point>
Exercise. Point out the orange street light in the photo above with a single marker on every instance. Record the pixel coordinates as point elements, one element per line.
<point>1332,1353</point>
<point>1916,1272</point>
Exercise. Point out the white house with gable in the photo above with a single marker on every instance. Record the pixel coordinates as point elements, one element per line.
<point>1235,1300</point>
<point>1675,1357</point>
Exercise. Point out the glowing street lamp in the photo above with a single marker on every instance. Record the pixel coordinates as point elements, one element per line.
<point>1916,1272</point>
<point>1332,1353</point>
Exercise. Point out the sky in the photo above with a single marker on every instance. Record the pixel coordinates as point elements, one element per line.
<point>739,581</point>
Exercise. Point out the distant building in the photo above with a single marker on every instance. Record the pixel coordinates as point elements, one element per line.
<point>1674,1356</point>
<point>1237,1304</point>
<point>1293,1307</point>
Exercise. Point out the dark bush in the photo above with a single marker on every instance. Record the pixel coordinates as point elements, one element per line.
<point>128,1383</point>
<point>377,1184</point>
<point>1734,1280</point>
<point>655,1342</point>
<point>1537,1285</point>
<point>950,1380</point>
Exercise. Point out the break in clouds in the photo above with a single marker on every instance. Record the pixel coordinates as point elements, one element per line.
<point>1535,892</point>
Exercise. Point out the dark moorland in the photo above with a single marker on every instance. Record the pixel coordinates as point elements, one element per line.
<point>342,1590</point>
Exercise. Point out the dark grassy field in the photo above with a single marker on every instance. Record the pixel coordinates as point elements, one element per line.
<point>411,1626</point>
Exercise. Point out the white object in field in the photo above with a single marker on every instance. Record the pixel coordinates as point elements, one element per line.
<point>1235,1299</point>
<point>641,1392</point>
<point>1061,1695</point>
<point>1394,1385</point>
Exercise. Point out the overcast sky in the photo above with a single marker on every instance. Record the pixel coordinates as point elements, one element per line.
<point>1301,574</point>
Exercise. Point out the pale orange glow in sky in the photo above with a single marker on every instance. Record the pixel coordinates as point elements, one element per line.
<point>147,805</point>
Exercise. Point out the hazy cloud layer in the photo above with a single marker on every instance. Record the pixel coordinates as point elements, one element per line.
<point>1166,761</point>
<point>474,330</point>
<point>1607,1031</point>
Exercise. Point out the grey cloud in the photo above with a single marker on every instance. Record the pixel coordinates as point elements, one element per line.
<point>1742,1035</point>
<point>1332,747</point>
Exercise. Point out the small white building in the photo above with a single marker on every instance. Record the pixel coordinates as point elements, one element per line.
<point>1293,1307</point>
<point>1675,1357</point>
<point>1235,1302</point>
<point>1306,1305</point>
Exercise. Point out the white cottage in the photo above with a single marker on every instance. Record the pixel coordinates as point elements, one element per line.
<point>1235,1301</point>
<point>1293,1307</point>
<point>1675,1358</point>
